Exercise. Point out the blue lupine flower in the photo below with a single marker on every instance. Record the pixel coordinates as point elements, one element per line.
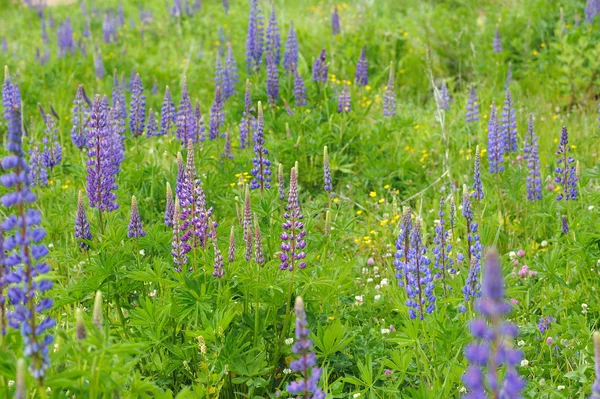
<point>118,96</point>
<point>495,154</point>
<point>545,323</point>
<point>509,125</point>
<point>293,236</point>
<point>299,88</point>
<point>152,128</point>
<point>247,122</point>
<point>262,166</point>
<point>272,80</point>
<point>38,174</point>
<point>273,40</point>
<point>443,247</point>
<point>320,68</point>
<point>186,122</point>
<point>52,152</point>
<point>344,100</point>
<point>565,169</point>
<point>254,38</point>
<point>362,73</point>
<point>135,229</point>
<point>389,98</point>
<point>472,288</point>
<point>497,43</point>
<point>477,184</point>
<point>217,115</point>
<point>419,287</point>
<point>327,172</point>
<point>290,54</point>
<point>531,154</point>
<point>473,106</point>
<point>335,22</point>
<point>81,112</point>
<point>137,111</point>
<point>403,247</point>
<point>168,115</point>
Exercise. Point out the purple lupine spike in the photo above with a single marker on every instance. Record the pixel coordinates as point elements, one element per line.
<point>591,11</point>
<point>169,207</point>
<point>531,154</point>
<point>247,122</point>
<point>66,44</point>
<point>137,108</point>
<point>272,80</point>
<point>307,384</point>
<point>218,264</point>
<point>45,37</point>
<point>135,229</point>
<point>389,98</point>
<point>472,288</point>
<point>419,287</point>
<point>186,123</point>
<point>497,44</point>
<point>320,68</point>
<point>443,247</point>
<point>231,250</point>
<point>108,28</point>
<point>222,40</point>
<point>344,100</point>
<point>273,40</point>
<point>299,89</point>
<point>509,76</point>
<point>254,38</point>
<point>11,97</point>
<point>478,193</point>
<point>82,226</point>
<point>152,128</point>
<point>231,69</point>
<point>495,154</point>
<point>596,386</point>
<point>509,125</point>
<point>199,123</point>
<point>220,72</point>
<point>4,45</point>
<point>473,106</point>
<point>290,54</point>
<point>225,5</point>
<point>565,169</point>
<point>52,152</point>
<point>98,65</point>
<point>362,73</point>
<point>492,349</point>
<point>262,165</point>
<point>38,174</point>
<point>565,224</point>
<point>227,147</point>
<point>335,22</point>
<point>179,248</point>
<point>168,116</point>
<point>181,187</point>
<point>280,182</point>
<point>217,115</point>
<point>154,90</point>
<point>118,96</point>
<point>292,238</point>
<point>259,256</point>
<point>4,271</point>
<point>327,186</point>
<point>445,99</point>
<point>81,112</point>
<point>403,247</point>
<point>21,239</point>
<point>101,181</point>
<point>545,323</point>
<point>247,225</point>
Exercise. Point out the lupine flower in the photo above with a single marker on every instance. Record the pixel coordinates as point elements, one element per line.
<point>472,286</point>
<point>544,323</point>
<point>81,112</point>
<point>362,73</point>
<point>564,224</point>
<point>186,122</point>
<point>152,128</point>
<point>66,44</point>
<point>473,106</point>
<point>231,71</point>
<point>280,182</point>
<point>116,135</point>
<point>273,42</point>
<point>344,101</point>
<point>168,116</point>
<point>136,229</point>
<point>199,123</point>
<point>508,76</point>
<point>335,22</point>
<point>591,11</point>
<point>137,107</point>
<point>217,115</point>
<point>259,256</point>
<point>495,153</point>
<point>497,44</point>
<point>118,96</point>
<point>181,187</point>
<point>389,98</point>
<point>596,386</point>
<point>299,88</point>
<point>82,226</point>
<point>231,251</point>
<point>109,28</point>
<point>509,125</point>
<point>254,38</point>
<point>247,122</point>
<point>403,247</point>
<point>565,169</point>
<point>170,207</point>
<point>327,172</point>
<point>443,247</point>
<point>272,80</point>
<point>220,72</point>
<point>247,225</point>
<point>227,147</point>
<point>218,270</point>
<point>532,148</point>
<point>290,54</point>
<point>52,152</point>
<point>492,349</point>
<point>419,287</point>
<point>22,236</point>
<point>292,237</point>
<point>307,385</point>
<point>477,184</point>
<point>38,174</point>
<point>99,65</point>
<point>11,98</point>
<point>262,166</point>
<point>101,181</point>
<point>320,68</point>
<point>444,100</point>
<point>179,248</point>
<point>4,45</point>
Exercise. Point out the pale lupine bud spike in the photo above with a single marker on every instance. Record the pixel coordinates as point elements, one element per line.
<point>231,252</point>
<point>170,207</point>
<point>97,315</point>
<point>281,182</point>
<point>259,256</point>
<point>327,171</point>
<point>80,332</point>
<point>21,384</point>
<point>247,222</point>
<point>288,133</point>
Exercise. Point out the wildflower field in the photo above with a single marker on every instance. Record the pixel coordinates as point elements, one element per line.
<point>300,199</point>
